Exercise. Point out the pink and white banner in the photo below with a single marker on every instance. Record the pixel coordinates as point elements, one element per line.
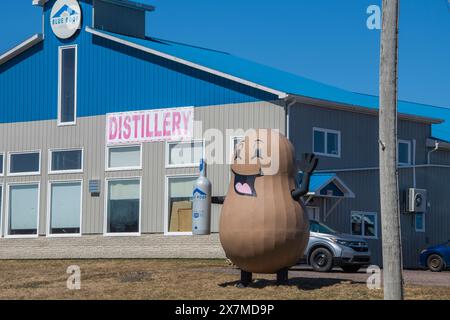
<point>172,124</point>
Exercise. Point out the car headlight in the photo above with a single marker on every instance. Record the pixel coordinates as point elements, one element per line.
<point>343,242</point>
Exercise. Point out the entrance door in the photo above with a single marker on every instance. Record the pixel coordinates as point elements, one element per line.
<point>313,213</point>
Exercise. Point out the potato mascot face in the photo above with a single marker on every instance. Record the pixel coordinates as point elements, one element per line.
<point>262,229</point>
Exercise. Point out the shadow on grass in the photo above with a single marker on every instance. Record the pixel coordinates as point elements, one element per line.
<point>300,283</point>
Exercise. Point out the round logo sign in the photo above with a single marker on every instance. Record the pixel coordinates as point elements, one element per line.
<point>65,18</point>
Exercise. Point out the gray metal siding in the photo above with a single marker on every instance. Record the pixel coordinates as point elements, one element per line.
<point>359,150</point>
<point>89,133</point>
<point>365,185</point>
<point>359,135</point>
<point>440,157</point>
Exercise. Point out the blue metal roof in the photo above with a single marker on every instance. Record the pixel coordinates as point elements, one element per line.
<point>286,82</point>
<point>319,179</point>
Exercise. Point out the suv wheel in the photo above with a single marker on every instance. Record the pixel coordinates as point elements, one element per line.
<point>435,263</point>
<point>321,260</point>
<point>351,268</point>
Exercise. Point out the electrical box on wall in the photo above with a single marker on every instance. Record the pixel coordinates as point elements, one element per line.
<point>417,200</point>
<point>94,188</point>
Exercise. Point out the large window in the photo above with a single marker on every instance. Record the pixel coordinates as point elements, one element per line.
<point>184,154</point>
<point>26,163</point>
<point>419,221</point>
<point>326,142</point>
<point>123,206</point>
<point>364,224</point>
<point>65,208</point>
<point>179,206</point>
<point>2,164</point>
<point>66,161</point>
<point>1,210</point>
<point>404,152</point>
<point>67,95</point>
<point>23,210</point>
<point>123,158</point>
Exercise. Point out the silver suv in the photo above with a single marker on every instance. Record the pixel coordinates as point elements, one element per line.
<point>328,248</point>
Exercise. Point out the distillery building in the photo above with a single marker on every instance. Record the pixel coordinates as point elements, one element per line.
<point>92,112</point>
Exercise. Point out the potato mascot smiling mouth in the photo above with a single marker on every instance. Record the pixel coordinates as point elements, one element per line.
<point>263,225</point>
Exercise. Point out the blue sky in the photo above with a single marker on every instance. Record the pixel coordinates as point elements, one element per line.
<point>325,40</point>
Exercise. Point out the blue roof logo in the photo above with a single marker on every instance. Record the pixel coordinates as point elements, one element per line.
<point>65,18</point>
<point>65,8</point>
<point>197,190</point>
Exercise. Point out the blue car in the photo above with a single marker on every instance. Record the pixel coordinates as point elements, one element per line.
<point>436,258</point>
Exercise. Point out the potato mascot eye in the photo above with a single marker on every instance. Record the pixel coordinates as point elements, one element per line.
<point>237,153</point>
<point>258,154</point>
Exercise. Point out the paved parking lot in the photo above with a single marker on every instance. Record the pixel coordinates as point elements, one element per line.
<point>412,277</point>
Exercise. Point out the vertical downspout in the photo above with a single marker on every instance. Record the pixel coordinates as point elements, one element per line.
<point>287,108</point>
<point>436,147</point>
<point>414,163</point>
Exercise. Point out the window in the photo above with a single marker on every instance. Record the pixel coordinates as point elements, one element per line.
<point>2,164</point>
<point>315,226</point>
<point>124,158</point>
<point>184,154</point>
<point>26,163</point>
<point>1,209</point>
<point>67,93</point>
<point>23,215</point>
<point>404,153</point>
<point>179,206</point>
<point>123,207</point>
<point>66,161</point>
<point>419,219</point>
<point>326,142</point>
<point>65,208</point>
<point>364,224</point>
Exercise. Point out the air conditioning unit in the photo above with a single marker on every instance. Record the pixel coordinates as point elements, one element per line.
<point>417,200</point>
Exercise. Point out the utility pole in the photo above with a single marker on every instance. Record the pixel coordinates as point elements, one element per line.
<point>390,211</point>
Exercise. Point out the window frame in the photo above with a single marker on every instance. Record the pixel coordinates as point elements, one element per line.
<point>166,204</point>
<point>8,207</point>
<point>364,213</point>
<point>2,205</point>
<point>326,131</point>
<point>105,210</point>
<point>30,173</point>
<point>408,142</point>
<point>50,153</point>
<point>3,165</point>
<point>423,229</point>
<point>49,204</point>
<point>185,165</point>
<point>60,50</point>
<point>117,146</point>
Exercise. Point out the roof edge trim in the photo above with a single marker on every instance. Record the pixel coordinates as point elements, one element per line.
<point>441,145</point>
<point>280,94</point>
<point>131,4</point>
<point>22,47</point>
<point>360,109</point>
<point>39,2</point>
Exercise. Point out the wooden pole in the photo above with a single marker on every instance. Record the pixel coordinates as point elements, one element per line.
<point>390,211</point>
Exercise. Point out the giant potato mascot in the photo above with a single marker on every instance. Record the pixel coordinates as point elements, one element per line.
<point>263,225</point>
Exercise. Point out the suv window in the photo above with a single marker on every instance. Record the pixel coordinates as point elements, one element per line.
<point>315,226</point>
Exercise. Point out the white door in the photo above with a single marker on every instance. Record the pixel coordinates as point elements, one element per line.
<point>313,213</point>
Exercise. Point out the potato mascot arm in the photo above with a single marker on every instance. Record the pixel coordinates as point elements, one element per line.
<point>307,165</point>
